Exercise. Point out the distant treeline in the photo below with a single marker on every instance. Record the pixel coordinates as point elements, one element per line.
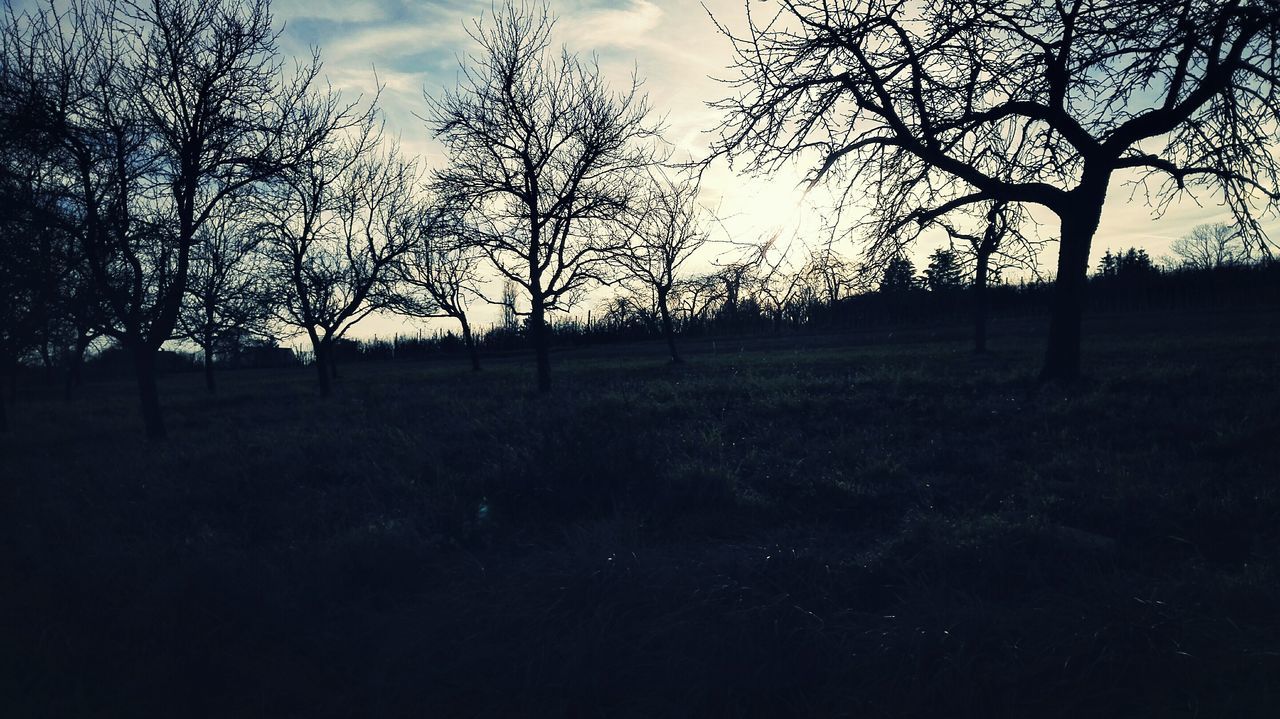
<point>1130,287</point>
<point>1125,282</point>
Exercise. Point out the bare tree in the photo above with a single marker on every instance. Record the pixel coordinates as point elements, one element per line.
<point>509,301</point>
<point>694,297</point>
<point>36,238</point>
<point>665,229</point>
<point>440,273</point>
<point>626,311</point>
<point>1210,246</point>
<point>881,93</point>
<point>999,245</point>
<point>336,227</point>
<point>41,63</point>
<point>21,267</point>
<point>227,296</point>
<point>734,281</point>
<point>543,153</point>
<point>827,276</point>
<point>15,306</point>
<point>780,285</point>
<point>162,110</point>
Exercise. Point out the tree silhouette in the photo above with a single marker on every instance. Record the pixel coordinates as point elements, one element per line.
<point>943,274</point>
<point>694,297</point>
<point>37,257</point>
<point>161,110</point>
<point>1132,264</point>
<point>338,225</point>
<point>899,275</point>
<point>778,285</point>
<point>1038,102</point>
<point>227,290</point>
<point>24,224</point>
<point>1210,246</point>
<point>828,276</point>
<point>543,153</point>
<point>999,245</point>
<point>440,272</point>
<point>667,226</point>
<point>510,298</point>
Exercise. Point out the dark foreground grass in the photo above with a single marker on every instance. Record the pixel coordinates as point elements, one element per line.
<point>841,526</point>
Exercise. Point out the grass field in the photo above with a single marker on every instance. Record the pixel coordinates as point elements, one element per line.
<point>869,525</point>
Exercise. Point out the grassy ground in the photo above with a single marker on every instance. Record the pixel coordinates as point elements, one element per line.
<point>859,525</point>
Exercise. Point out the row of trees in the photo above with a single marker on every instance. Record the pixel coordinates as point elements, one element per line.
<point>794,288</point>
<point>1129,281</point>
<point>171,175</point>
<point>132,127</point>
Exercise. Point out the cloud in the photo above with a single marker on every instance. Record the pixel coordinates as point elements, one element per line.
<point>616,27</point>
<point>337,11</point>
<point>378,45</point>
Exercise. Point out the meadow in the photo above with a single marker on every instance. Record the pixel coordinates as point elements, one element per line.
<point>876,524</point>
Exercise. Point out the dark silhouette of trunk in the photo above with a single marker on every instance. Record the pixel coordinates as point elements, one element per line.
<point>209,383</point>
<point>75,365</point>
<point>13,381</point>
<point>541,342</point>
<point>470,341</point>
<point>209,335</point>
<point>323,358</point>
<point>46,361</point>
<point>980,300</point>
<point>668,330</point>
<point>1080,220</point>
<point>144,366</point>
<point>4,417</point>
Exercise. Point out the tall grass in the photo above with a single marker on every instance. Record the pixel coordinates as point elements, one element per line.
<point>803,526</point>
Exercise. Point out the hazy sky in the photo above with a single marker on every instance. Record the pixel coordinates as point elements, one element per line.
<point>673,46</point>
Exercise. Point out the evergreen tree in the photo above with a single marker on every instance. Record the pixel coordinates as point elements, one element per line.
<point>899,275</point>
<point>1107,267</point>
<point>943,272</point>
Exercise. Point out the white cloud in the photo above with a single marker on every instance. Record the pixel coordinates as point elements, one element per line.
<point>621,27</point>
<point>344,11</point>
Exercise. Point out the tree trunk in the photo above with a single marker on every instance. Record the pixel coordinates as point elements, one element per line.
<point>75,364</point>
<point>980,303</point>
<point>668,330</point>
<point>210,333</point>
<point>4,417</point>
<point>321,350</point>
<point>46,360</point>
<point>541,342</point>
<point>209,383</point>
<point>1080,220</point>
<point>144,366</point>
<point>470,342</point>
